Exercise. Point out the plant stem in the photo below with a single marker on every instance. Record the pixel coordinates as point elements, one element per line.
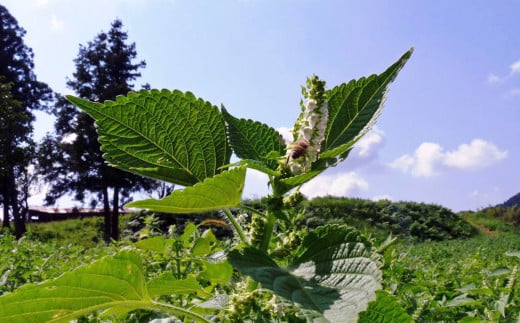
<point>235,224</point>
<point>268,230</point>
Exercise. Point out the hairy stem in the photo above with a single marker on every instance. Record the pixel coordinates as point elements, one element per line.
<point>235,225</point>
<point>268,230</point>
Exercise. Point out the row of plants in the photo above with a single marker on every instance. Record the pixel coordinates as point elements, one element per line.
<point>463,280</point>
<point>471,280</point>
<point>29,260</point>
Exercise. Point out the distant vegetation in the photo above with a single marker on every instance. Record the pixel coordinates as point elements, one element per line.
<point>513,201</point>
<point>416,220</point>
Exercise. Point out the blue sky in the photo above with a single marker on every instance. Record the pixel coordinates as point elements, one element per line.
<point>449,133</point>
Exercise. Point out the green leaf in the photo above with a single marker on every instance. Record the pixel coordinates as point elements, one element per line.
<point>217,273</point>
<point>167,284</point>
<point>201,247</point>
<point>222,191</point>
<point>186,237</point>
<point>167,135</point>
<point>259,166</point>
<point>116,284</point>
<point>385,309</point>
<point>297,180</point>
<point>334,273</point>
<point>156,244</point>
<point>355,106</point>
<point>253,140</point>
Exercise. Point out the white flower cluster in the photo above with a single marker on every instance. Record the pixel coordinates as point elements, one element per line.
<point>310,128</point>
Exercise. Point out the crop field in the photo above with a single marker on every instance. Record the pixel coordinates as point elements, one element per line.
<point>461,279</point>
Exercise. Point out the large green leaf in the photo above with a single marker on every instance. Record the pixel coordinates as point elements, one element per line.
<point>334,273</point>
<point>222,191</point>
<point>355,106</point>
<point>113,284</point>
<point>167,135</point>
<point>253,140</point>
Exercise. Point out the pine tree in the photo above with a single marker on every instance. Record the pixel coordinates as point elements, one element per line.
<point>72,160</point>
<point>20,93</point>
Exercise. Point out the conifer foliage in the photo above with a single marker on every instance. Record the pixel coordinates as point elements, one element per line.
<point>71,159</point>
<point>20,94</point>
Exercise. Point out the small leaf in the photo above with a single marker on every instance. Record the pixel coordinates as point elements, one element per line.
<point>259,166</point>
<point>186,237</point>
<point>253,140</point>
<point>334,273</point>
<point>156,244</point>
<point>201,247</point>
<point>167,284</point>
<point>222,191</point>
<point>217,273</point>
<point>385,309</point>
<point>167,135</point>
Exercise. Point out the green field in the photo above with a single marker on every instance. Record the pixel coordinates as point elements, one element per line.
<point>466,278</point>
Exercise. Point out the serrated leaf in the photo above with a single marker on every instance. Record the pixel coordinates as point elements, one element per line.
<point>167,135</point>
<point>385,309</point>
<point>253,140</point>
<point>334,273</point>
<point>354,106</point>
<point>115,284</point>
<point>218,192</point>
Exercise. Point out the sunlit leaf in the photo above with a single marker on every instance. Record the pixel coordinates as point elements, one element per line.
<point>167,135</point>
<point>355,106</point>
<point>114,284</point>
<point>222,191</point>
<point>253,140</point>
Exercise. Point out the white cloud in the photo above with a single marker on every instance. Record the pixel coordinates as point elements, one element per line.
<point>286,134</point>
<point>477,195</point>
<point>493,79</point>
<point>346,184</point>
<point>369,144</point>
<point>514,92</point>
<point>56,24</point>
<point>477,154</point>
<point>515,67</point>
<point>430,159</point>
<point>41,3</point>
<point>425,161</point>
<point>256,184</point>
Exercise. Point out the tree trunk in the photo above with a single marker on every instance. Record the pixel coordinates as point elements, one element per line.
<point>5,222</point>
<point>115,214</point>
<point>106,206</point>
<point>18,220</point>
